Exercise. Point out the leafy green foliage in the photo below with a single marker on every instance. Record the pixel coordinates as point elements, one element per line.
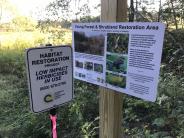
<point>163,118</point>
<point>173,52</point>
<point>90,129</point>
<point>24,23</point>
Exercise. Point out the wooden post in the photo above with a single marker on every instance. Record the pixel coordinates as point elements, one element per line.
<point>111,101</point>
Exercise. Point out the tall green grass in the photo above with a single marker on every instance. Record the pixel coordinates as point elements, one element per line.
<point>22,40</point>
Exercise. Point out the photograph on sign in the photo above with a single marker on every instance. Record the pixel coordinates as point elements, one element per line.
<point>121,56</point>
<point>89,48</point>
<point>50,76</point>
<point>89,43</point>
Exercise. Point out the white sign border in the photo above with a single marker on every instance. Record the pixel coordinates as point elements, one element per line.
<point>29,81</point>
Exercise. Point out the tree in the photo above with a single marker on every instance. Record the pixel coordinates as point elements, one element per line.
<point>58,10</point>
<point>7,8</point>
<point>70,9</point>
<point>23,23</point>
<point>173,12</point>
<point>132,11</point>
<point>142,11</point>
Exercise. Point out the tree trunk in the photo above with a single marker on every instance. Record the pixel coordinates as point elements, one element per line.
<point>132,11</point>
<point>174,14</point>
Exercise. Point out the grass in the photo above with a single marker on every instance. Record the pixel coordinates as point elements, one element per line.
<point>22,40</point>
<point>13,45</point>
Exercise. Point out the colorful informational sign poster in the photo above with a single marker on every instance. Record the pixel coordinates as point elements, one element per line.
<point>124,57</point>
<point>50,76</point>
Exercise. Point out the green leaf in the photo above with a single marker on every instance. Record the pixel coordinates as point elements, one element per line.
<point>160,122</point>
<point>161,134</point>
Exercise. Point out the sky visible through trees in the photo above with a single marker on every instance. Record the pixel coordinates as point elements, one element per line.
<point>36,8</point>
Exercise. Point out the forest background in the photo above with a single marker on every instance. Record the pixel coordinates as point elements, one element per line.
<point>80,118</point>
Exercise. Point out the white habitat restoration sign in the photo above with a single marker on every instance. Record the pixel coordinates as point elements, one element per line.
<point>50,76</point>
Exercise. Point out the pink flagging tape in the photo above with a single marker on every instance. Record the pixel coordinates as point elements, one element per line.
<point>53,119</point>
